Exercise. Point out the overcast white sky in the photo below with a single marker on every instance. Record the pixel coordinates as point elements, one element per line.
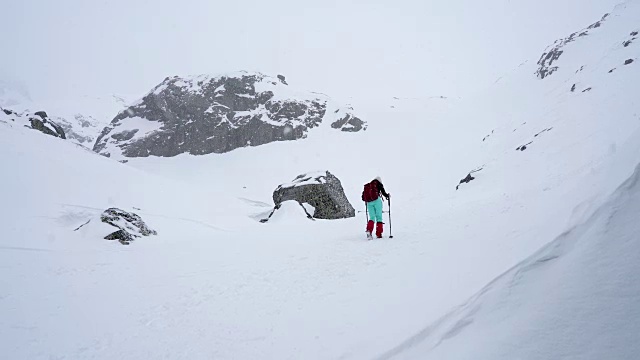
<point>69,48</point>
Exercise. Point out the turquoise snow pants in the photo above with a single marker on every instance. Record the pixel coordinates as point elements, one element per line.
<point>375,210</point>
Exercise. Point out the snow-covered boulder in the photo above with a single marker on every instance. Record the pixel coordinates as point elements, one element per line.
<point>216,114</point>
<point>37,121</point>
<point>321,190</point>
<point>130,225</point>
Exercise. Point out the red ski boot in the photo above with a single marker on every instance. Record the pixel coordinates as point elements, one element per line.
<point>379,230</point>
<point>370,230</point>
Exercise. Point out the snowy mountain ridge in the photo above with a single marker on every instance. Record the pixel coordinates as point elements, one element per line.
<point>216,114</point>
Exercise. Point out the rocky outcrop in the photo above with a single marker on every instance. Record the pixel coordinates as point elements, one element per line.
<point>77,128</point>
<point>467,179</point>
<point>632,37</point>
<point>349,123</point>
<point>282,79</point>
<point>38,121</point>
<point>524,146</point>
<point>553,52</point>
<point>130,226</point>
<point>321,190</point>
<point>205,114</point>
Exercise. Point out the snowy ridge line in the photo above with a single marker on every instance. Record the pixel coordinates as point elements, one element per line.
<point>456,320</point>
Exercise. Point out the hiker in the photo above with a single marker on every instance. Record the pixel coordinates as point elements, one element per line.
<point>371,195</point>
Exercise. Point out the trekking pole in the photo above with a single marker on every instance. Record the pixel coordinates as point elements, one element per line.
<point>390,233</point>
<point>366,211</point>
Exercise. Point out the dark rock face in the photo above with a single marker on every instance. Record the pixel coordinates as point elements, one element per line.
<point>282,79</point>
<point>553,52</point>
<point>203,115</point>
<point>130,225</point>
<point>546,60</point>
<point>322,190</point>
<point>628,61</point>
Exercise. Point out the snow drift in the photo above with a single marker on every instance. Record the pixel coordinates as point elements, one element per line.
<point>576,298</point>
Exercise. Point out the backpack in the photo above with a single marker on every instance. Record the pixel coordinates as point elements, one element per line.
<point>370,192</point>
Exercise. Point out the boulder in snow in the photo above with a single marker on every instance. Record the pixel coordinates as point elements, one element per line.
<point>321,190</point>
<point>130,225</point>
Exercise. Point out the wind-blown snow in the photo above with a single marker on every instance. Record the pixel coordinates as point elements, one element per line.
<point>576,298</point>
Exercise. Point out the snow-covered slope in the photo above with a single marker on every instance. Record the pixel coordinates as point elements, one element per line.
<point>217,283</point>
<point>576,298</point>
<point>569,138</point>
<point>80,129</point>
<point>579,147</point>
